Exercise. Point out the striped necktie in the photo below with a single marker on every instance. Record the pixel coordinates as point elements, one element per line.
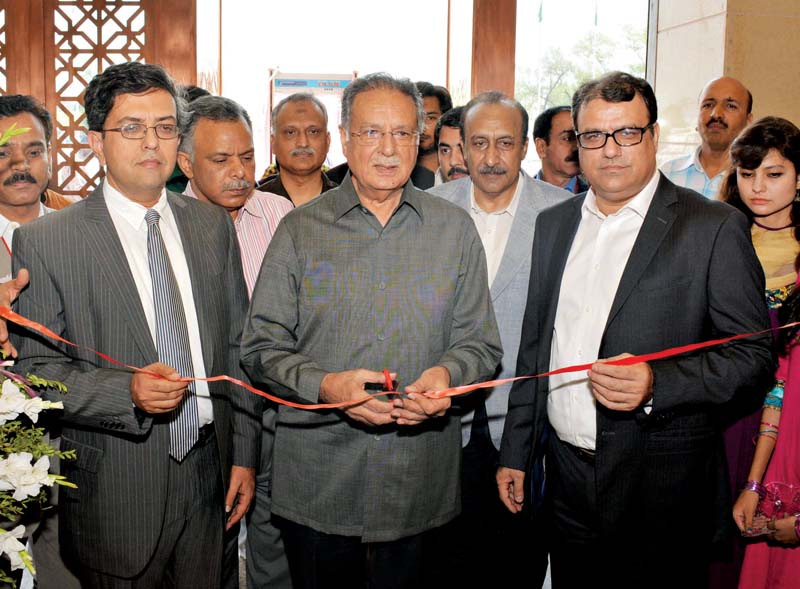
<point>172,337</point>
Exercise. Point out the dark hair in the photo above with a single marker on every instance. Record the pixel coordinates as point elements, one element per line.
<point>214,108</point>
<point>190,93</point>
<point>544,122</point>
<point>132,77</point>
<point>452,119</point>
<point>440,93</point>
<point>380,81</point>
<point>297,97</point>
<point>750,148</point>
<point>615,87</point>
<point>15,104</point>
<point>496,97</point>
<point>748,151</point>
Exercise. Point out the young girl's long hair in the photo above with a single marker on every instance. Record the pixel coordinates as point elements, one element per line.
<point>748,151</point>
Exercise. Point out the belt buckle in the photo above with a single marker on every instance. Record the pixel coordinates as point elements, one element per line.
<point>583,454</point>
<point>204,433</point>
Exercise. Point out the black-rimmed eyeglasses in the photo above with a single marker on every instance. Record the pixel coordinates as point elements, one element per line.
<point>625,137</point>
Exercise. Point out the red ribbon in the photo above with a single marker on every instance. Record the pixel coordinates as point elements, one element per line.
<point>10,315</point>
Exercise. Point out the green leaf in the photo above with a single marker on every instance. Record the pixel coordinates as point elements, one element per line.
<point>12,131</point>
<point>42,383</point>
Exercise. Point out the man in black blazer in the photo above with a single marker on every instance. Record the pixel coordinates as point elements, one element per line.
<point>634,462</point>
<point>153,481</point>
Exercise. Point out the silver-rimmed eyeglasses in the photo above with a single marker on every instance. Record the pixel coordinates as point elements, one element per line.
<point>139,130</point>
<point>374,136</point>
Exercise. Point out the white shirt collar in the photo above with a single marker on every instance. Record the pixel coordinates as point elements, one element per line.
<point>511,209</point>
<point>132,212</point>
<point>6,224</point>
<point>639,204</point>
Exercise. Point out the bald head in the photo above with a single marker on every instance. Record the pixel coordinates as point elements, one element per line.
<point>725,109</point>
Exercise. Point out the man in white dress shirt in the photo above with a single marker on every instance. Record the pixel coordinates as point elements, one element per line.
<point>503,202</point>
<point>24,169</point>
<point>635,466</point>
<point>152,279</point>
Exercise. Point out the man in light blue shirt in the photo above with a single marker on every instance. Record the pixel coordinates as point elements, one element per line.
<point>725,109</point>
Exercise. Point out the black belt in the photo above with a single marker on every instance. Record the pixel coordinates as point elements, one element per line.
<point>205,433</point>
<point>587,456</point>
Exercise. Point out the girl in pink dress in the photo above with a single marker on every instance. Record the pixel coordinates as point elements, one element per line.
<point>766,178</point>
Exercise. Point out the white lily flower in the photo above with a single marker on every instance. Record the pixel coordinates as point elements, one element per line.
<point>12,401</point>
<point>11,546</point>
<point>35,405</point>
<point>19,475</point>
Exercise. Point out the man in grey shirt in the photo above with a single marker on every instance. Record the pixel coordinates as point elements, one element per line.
<point>373,274</point>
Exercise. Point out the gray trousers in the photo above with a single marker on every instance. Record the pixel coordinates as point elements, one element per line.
<point>266,560</point>
<point>51,571</point>
<point>189,550</point>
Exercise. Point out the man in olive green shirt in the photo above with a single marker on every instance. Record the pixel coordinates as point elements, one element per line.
<point>373,274</point>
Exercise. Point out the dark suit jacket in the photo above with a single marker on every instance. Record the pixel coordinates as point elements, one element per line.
<point>82,288</point>
<point>692,276</point>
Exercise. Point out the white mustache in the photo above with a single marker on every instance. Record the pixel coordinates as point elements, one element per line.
<point>303,151</point>
<point>387,161</point>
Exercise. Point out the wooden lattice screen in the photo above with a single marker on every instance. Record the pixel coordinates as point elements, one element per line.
<point>88,36</point>
<point>51,49</point>
<point>3,57</point>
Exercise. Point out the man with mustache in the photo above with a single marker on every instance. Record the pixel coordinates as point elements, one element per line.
<point>217,155</point>
<point>450,147</point>
<point>153,279</point>
<point>635,265</point>
<point>24,175</point>
<point>435,100</point>
<point>554,139</point>
<point>372,275</point>
<point>504,203</point>
<point>24,169</point>
<point>725,109</point>
<point>300,141</point>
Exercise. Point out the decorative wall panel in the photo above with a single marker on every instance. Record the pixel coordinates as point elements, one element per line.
<point>88,36</point>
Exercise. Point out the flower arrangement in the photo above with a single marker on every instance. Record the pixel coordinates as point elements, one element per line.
<point>24,463</point>
<point>24,455</point>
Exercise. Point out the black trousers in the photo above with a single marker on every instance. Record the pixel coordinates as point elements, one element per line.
<point>582,555</point>
<point>318,560</point>
<point>486,545</point>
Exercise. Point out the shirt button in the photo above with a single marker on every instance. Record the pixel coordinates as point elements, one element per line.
<point>377,437</point>
<point>588,309</point>
<point>382,285</point>
<point>381,336</point>
<point>597,266</point>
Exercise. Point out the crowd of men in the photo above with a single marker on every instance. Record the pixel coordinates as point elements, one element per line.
<point>359,290</point>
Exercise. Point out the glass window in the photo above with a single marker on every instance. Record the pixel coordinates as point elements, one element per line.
<point>560,45</point>
<point>319,37</point>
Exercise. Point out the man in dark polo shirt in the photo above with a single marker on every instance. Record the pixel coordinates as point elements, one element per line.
<point>300,141</point>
